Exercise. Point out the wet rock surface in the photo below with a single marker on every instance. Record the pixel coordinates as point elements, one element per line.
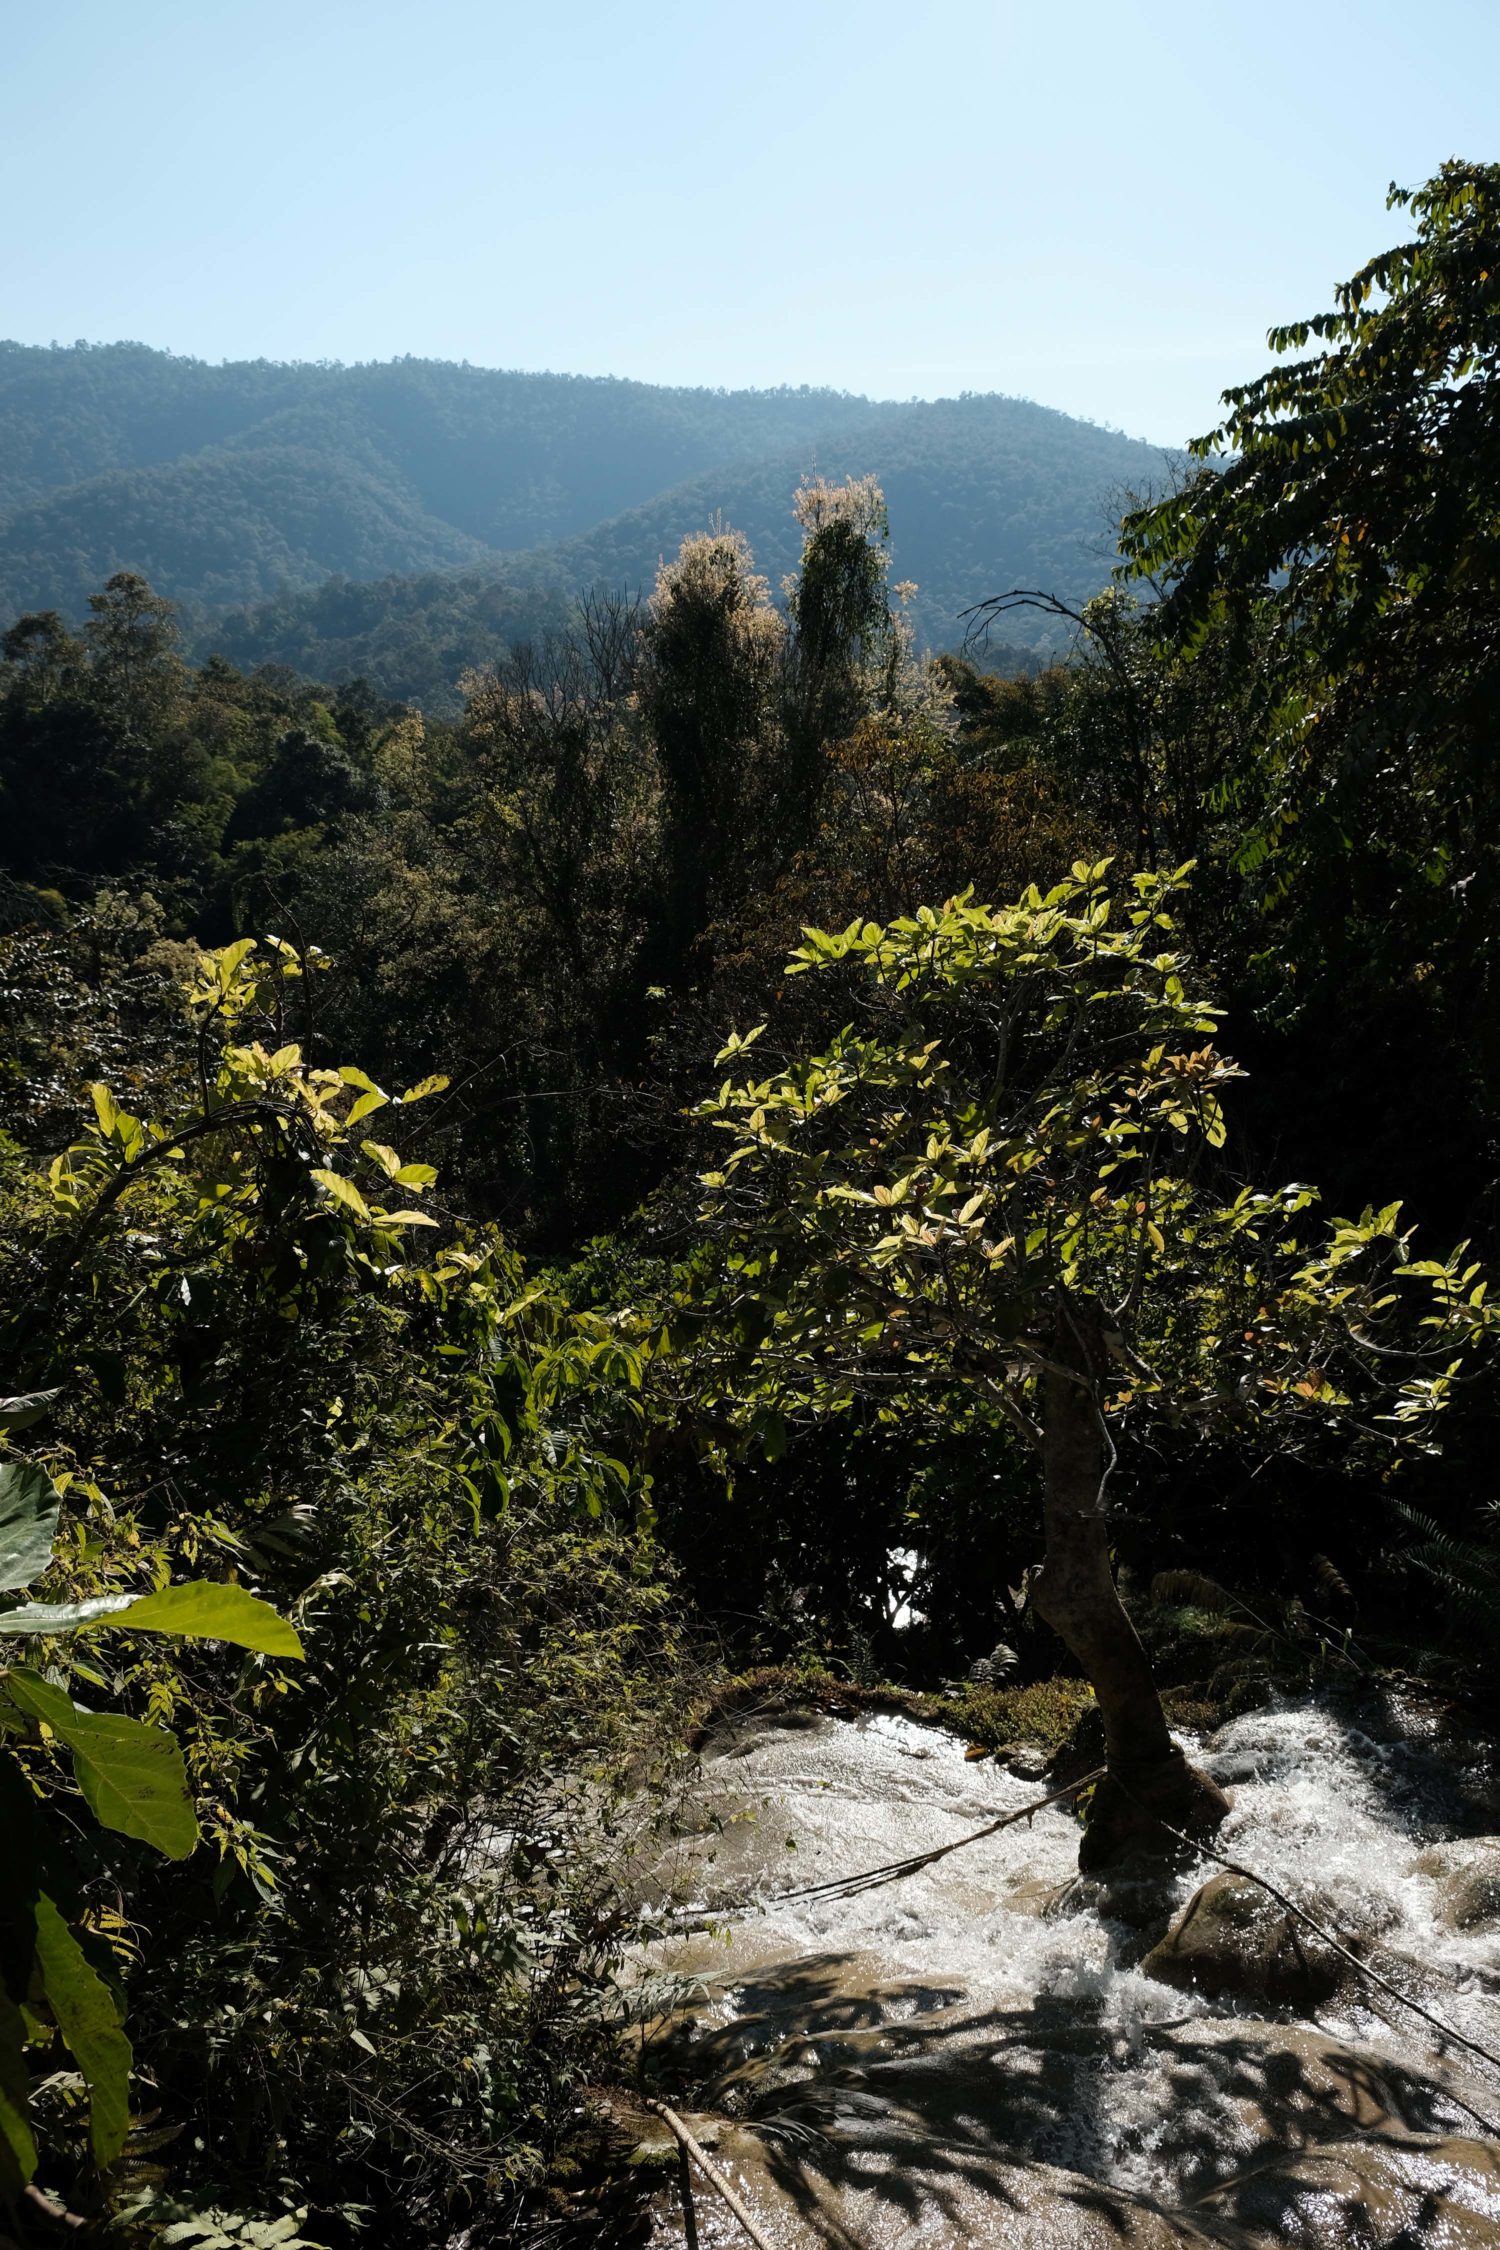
<point>1468,1883</point>
<point>977,2054</point>
<point>1233,1939</point>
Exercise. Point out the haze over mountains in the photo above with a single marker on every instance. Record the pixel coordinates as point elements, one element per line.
<point>399,520</point>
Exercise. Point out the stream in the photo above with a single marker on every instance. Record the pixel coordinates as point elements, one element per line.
<point>975,2054</point>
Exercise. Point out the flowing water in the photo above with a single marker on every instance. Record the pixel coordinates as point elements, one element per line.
<point>974,2054</point>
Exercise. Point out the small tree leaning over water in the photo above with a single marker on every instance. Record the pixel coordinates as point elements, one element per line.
<point>993,1193</point>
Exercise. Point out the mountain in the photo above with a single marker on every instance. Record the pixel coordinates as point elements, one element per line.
<point>226,484</point>
<point>983,493</point>
<point>402,519</point>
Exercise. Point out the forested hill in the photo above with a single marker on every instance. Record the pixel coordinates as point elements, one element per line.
<point>238,486</point>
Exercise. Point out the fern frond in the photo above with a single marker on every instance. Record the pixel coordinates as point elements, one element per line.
<point>1185,1589</point>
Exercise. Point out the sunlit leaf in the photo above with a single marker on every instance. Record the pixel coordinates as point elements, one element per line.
<point>205,1610</point>
<point>19,1413</point>
<point>343,1191</point>
<point>29,1506</point>
<point>132,1775</point>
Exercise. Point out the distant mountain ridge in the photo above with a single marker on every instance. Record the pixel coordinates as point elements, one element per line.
<point>447,499</point>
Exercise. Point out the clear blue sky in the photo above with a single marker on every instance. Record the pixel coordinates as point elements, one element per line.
<point>1101,205</point>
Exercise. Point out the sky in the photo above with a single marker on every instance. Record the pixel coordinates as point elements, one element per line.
<point>1103,206</point>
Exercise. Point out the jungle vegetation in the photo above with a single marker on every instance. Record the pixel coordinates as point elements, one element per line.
<point>512,1217</point>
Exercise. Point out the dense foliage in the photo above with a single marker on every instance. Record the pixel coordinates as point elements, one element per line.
<point>402,1271</point>
<point>384,1975</point>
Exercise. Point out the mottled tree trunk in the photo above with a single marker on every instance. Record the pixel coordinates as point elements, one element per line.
<point>1076,1594</point>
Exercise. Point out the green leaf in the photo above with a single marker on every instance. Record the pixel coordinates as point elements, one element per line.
<point>105,1108</point>
<point>203,1610</point>
<point>228,959</point>
<point>29,1505</point>
<point>132,1775</point>
<point>342,1190</point>
<point>62,1617</point>
<point>17,2147</point>
<point>85,2014</point>
<point>20,1413</point>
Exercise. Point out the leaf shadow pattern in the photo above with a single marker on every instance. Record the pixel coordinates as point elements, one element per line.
<point>872,2107</point>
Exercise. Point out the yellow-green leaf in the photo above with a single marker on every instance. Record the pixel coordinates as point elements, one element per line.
<point>205,1609</point>
<point>343,1191</point>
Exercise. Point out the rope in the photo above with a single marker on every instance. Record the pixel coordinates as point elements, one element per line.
<point>849,1886</point>
<point>1362,1968</point>
<point>715,2178</point>
<point>872,1878</point>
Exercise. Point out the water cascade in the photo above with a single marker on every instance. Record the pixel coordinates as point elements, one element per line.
<point>987,2053</point>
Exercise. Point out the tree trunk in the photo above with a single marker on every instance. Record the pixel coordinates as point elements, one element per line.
<point>1076,1594</point>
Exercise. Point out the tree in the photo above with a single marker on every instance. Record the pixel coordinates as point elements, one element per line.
<point>846,644</point>
<point>97,769</point>
<point>711,657</point>
<point>566,794</point>
<point>308,783</point>
<point>255,1369</point>
<point>991,1194</point>
<point>132,642</point>
<point>1344,531</point>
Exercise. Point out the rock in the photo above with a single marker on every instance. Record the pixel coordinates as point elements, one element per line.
<point>1479,1798</point>
<point>1026,1760</point>
<point>804,2188</point>
<point>1139,1895</point>
<point>1233,1938</point>
<point>1337,2165</point>
<point>1230,1766</point>
<point>1437,2194</point>
<point>1469,1896</point>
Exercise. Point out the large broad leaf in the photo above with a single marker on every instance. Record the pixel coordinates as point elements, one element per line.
<point>342,1190</point>
<point>29,1505</point>
<point>20,1413</point>
<point>85,2014</point>
<point>132,1775</point>
<point>17,2148</point>
<point>197,1611</point>
<point>18,1897</point>
<point>202,1610</point>
<point>62,1617</point>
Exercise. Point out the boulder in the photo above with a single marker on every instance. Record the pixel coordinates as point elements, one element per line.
<point>1469,1887</point>
<point>1442,2193</point>
<point>1232,1938</point>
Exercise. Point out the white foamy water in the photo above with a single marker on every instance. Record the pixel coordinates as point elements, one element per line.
<point>943,2029</point>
